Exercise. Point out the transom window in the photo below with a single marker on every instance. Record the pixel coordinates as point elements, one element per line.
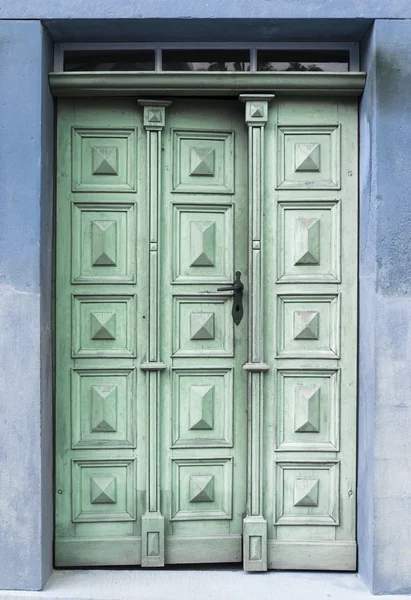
<point>332,57</point>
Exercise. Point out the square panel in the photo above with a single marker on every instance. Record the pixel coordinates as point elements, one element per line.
<point>309,241</point>
<point>202,489</point>
<point>309,157</point>
<point>103,490</point>
<point>103,326</point>
<point>308,326</point>
<point>202,326</point>
<point>307,493</point>
<point>102,408</point>
<point>308,403</point>
<point>203,162</point>
<point>103,242</point>
<point>202,408</point>
<point>103,160</point>
<point>202,244</point>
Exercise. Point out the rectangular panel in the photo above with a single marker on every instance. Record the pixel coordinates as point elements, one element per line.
<point>309,157</point>
<point>202,244</point>
<point>103,326</point>
<point>103,490</point>
<point>203,162</point>
<point>102,403</point>
<point>308,326</point>
<point>103,242</point>
<point>202,489</point>
<point>103,160</point>
<point>307,493</point>
<point>202,408</point>
<point>203,326</point>
<point>308,408</point>
<point>309,241</point>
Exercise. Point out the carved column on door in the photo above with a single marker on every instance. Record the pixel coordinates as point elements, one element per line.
<point>152,554</point>
<point>255,525</point>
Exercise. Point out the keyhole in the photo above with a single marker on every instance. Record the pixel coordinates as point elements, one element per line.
<point>237,307</point>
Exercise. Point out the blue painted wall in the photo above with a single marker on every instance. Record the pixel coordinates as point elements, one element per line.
<point>26,167</point>
<point>231,9</point>
<point>384,523</point>
<point>26,117</point>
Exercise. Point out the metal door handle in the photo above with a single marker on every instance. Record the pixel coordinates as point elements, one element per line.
<point>237,288</point>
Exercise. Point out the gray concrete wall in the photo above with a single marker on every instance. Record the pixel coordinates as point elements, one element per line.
<point>26,457</point>
<point>384,520</point>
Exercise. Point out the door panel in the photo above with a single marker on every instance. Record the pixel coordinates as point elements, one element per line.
<point>310,230</point>
<point>204,393</point>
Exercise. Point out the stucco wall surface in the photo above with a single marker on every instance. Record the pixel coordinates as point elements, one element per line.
<point>260,9</point>
<point>384,519</point>
<point>26,515</point>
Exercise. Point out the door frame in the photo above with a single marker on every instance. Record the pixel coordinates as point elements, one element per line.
<point>247,87</point>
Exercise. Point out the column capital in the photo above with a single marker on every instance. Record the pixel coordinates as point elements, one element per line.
<point>256,108</point>
<point>154,113</point>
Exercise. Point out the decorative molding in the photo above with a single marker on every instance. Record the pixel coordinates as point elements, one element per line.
<point>255,525</point>
<point>152,554</point>
<point>205,84</point>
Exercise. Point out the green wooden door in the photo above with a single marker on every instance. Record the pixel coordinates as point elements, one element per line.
<point>183,435</point>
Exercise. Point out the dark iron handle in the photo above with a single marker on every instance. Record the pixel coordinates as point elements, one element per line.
<point>237,286</point>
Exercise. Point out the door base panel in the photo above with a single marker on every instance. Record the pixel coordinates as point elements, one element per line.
<point>332,556</point>
<point>210,549</point>
<point>84,552</point>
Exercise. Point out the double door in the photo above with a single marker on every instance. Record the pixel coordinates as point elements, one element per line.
<point>206,332</point>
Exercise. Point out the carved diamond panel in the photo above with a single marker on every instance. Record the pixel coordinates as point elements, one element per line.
<point>102,408</point>
<point>103,490</point>
<point>202,489</point>
<point>309,157</point>
<point>202,408</point>
<point>203,162</point>
<point>308,409</point>
<point>103,242</point>
<point>309,241</point>
<point>307,493</point>
<point>308,326</point>
<point>202,326</point>
<point>202,244</point>
<point>103,326</point>
<point>104,160</point>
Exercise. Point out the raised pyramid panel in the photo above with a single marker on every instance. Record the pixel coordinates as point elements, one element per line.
<point>202,161</point>
<point>103,490</point>
<point>307,157</point>
<point>203,243</point>
<point>105,160</point>
<point>306,325</point>
<point>104,237</point>
<point>306,492</point>
<point>103,326</point>
<point>201,488</point>
<point>104,408</point>
<point>201,409</point>
<point>307,241</point>
<point>307,408</point>
<point>202,326</point>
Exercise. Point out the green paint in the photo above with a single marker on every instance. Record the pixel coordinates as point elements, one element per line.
<point>158,458</point>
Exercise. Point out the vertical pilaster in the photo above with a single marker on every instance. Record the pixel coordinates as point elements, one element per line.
<point>255,525</point>
<point>152,554</point>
